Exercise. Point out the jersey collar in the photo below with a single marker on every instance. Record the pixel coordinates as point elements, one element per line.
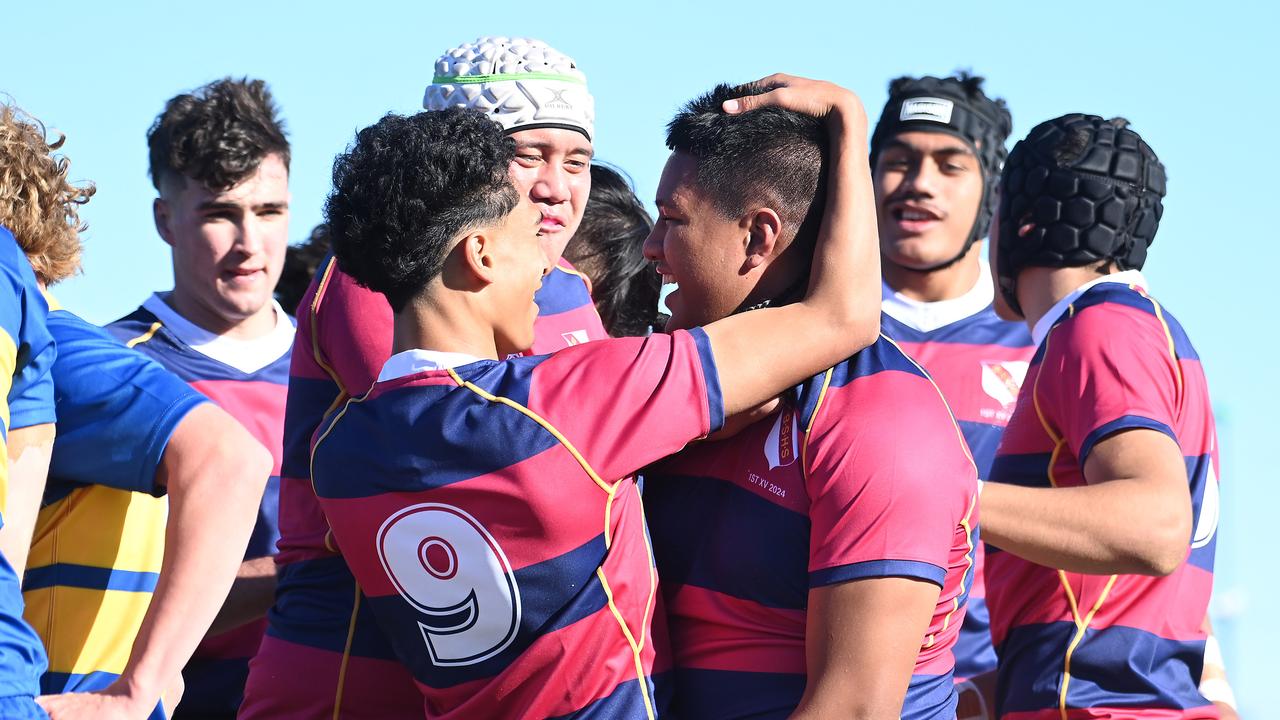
<point>929,316</point>
<point>1045,323</point>
<point>247,356</point>
<point>417,360</point>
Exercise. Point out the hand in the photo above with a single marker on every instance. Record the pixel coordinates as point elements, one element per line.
<point>103,705</point>
<point>812,97</point>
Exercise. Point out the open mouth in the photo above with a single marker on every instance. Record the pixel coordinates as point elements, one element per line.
<point>914,219</point>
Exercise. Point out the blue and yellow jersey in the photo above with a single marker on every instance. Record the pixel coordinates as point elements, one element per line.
<point>23,336</point>
<point>99,539</point>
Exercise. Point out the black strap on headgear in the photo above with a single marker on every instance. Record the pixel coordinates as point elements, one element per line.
<point>1091,189</point>
<point>956,106</point>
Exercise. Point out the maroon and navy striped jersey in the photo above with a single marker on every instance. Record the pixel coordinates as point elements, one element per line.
<point>862,474</point>
<point>1074,645</point>
<point>978,362</point>
<point>320,628</point>
<point>489,512</point>
<point>249,380</point>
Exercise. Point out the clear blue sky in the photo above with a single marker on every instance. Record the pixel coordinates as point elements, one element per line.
<point>1195,80</point>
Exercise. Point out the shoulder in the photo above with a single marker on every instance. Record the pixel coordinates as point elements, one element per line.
<point>858,379</point>
<point>136,327</point>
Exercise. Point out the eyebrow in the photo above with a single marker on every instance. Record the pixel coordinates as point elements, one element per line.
<point>962,149</point>
<point>216,205</point>
<point>545,146</point>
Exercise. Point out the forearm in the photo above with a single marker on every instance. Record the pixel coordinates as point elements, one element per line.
<point>251,595</point>
<point>30,449</point>
<point>1113,528</point>
<point>215,473</point>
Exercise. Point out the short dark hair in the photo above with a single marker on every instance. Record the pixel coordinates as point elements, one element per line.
<point>607,247</point>
<point>772,156</point>
<point>217,135</point>
<point>407,187</point>
<point>300,264</point>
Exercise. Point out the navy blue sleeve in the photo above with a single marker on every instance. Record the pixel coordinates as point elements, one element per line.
<point>117,409</point>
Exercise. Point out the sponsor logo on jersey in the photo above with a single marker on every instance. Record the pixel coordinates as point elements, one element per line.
<point>927,108</point>
<point>780,447</point>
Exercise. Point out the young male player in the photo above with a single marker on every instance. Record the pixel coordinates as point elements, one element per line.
<point>220,161</point>
<point>936,155</point>
<point>816,563</point>
<point>127,430</point>
<point>1103,499</point>
<point>320,622</point>
<point>494,523</point>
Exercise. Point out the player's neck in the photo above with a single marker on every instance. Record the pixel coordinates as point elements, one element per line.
<point>258,325</point>
<point>442,326</point>
<point>945,284</point>
<point>1040,288</point>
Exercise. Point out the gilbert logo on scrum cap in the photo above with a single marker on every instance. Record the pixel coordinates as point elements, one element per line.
<point>927,108</point>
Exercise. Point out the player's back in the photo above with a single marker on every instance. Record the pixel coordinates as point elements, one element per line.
<point>488,513</point>
<point>978,362</point>
<point>863,474</point>
<point>1113,360</point>
<point>23,335</point>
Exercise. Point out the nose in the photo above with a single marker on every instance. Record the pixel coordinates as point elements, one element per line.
<point>552,185</point>
<point>652,247</point>
<point>252,236</point>
<point>922,178</point>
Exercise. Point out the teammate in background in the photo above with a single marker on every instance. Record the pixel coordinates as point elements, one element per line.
<point>490,586</point>
<point>607,249</point>
<point>100,519</point>
<point>1103,499</point>
<point>816,563</point>
<point>220,161</point>
<point>300,264</point>
<point>321,631</point>
<point>936,155</point>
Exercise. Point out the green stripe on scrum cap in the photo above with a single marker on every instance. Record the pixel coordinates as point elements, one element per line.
<point>468,79</point>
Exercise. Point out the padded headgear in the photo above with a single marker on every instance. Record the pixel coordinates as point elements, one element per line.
<point>521,83</point>
<point>956,106</point>
<point>1091,188</point>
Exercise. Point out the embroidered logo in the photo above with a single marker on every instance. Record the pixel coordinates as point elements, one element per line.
<point>780,446</point>
<point>575,337</point>
<point>927,108</point>
<point>1002,380</point>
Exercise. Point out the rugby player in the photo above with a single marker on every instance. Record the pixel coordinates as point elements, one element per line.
<point>493,521</point>
<point>1103,498</point>
<point>219,160</point>
<point>936,155</point>
<point>816,563</point>
<point>320,626</point>
<point>128,433</point>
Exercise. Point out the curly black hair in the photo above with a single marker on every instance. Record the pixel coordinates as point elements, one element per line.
<point>607,247</point>
<point>217,135</point>
<point>769,156</point>
<point>407,187</point>
<point>300,264</point>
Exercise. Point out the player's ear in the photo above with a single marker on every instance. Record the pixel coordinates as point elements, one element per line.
<point>476,250</point>
<point>162,216</point>
<point>764,227</point>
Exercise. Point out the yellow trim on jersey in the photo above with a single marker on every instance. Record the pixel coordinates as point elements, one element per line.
<point>574,271</point>
<point>1081,627</point>
<point>8,365</point>
<point>635,648</point>
<point>808,430</point>
<point>346,656</point>
<point>545,426</point>
<point>144,337</point>
<point>1168,334</point>
<point>1058,441</point>
<point>50,300</point>
<point>653,569</point>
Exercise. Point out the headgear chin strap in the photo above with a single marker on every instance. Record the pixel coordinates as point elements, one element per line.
<point>1090,188</point>
<point>955,106</point>
<point>520,83</point>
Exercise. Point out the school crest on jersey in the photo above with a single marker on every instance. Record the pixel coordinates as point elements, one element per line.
<point>575,337</point>
<point>1002,380</point>
<point>780,446</point>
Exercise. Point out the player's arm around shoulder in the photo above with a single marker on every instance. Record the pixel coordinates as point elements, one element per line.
<point>215,473</point>
<point>760,353</point>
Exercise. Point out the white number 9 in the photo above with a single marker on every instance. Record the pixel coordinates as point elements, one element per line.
<point>448,567</point>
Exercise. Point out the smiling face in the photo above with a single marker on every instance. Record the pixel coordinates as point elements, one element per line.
<point>228,248</point>
<point>552,168</point>
<point>695,246</point>
<point>519,264</point>
<point>928,188</point>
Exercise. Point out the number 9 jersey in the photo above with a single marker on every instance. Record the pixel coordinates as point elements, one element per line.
<point>488,511</point>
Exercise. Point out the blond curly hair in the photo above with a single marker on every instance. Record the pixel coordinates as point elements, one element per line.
<point>37,202</point>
